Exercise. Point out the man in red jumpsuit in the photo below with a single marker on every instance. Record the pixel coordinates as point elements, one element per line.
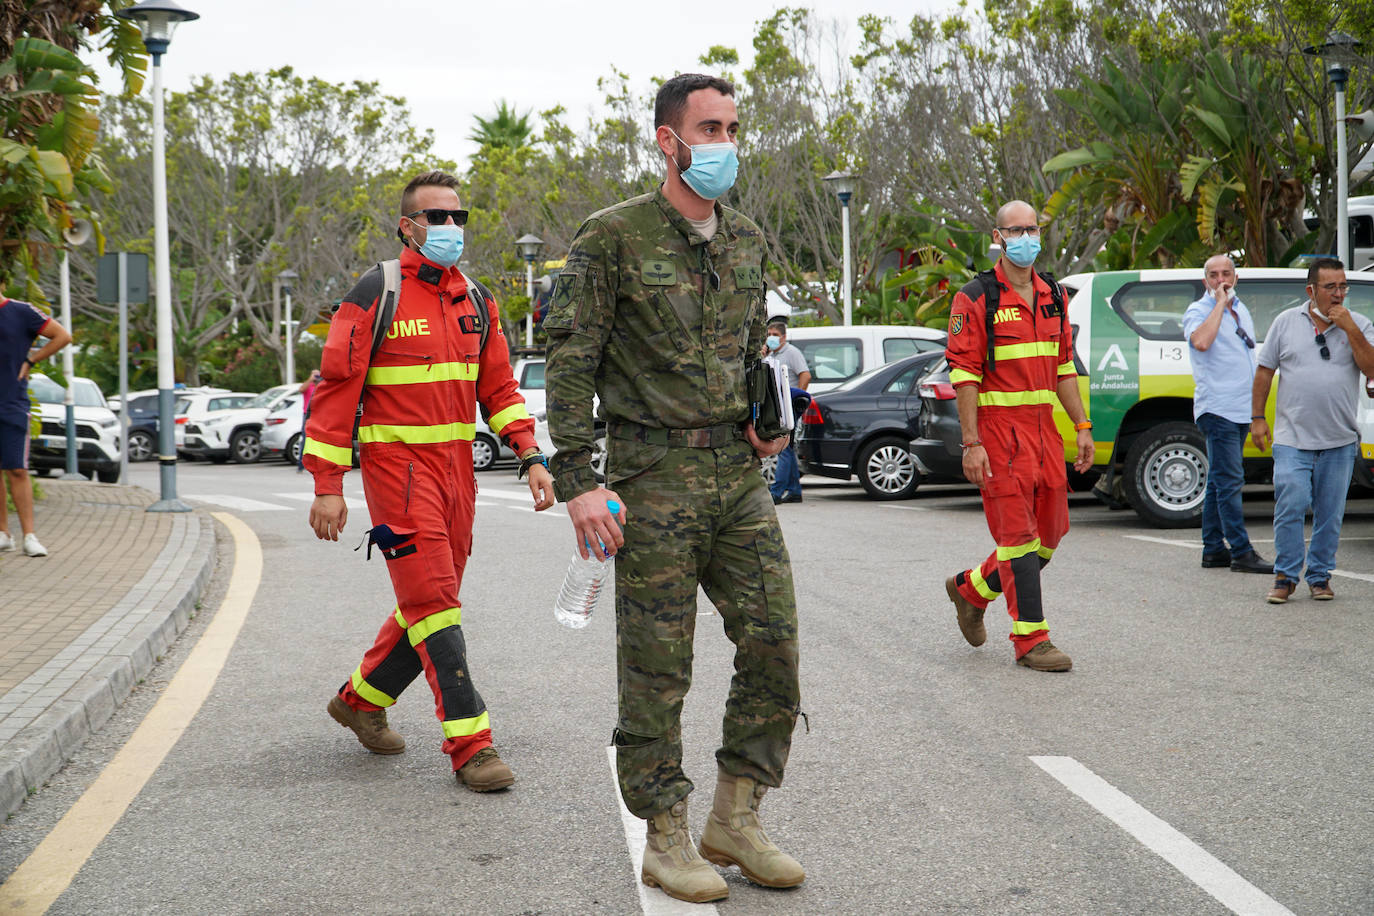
<point>419,395</point>
<point>1012,450</point>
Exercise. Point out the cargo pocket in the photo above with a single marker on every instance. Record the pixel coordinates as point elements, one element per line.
<point>627,459</point>
<point>393,541</point>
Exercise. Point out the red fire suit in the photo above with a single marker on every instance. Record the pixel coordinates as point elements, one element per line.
<point>419,397</point>
<point>1026,498</point>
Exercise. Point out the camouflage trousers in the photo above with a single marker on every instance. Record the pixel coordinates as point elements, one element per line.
<point>699,515</point>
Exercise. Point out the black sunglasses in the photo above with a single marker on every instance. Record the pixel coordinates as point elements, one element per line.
<point>437,216</point>
<point>1240,332</point>
<point>1321,342</point>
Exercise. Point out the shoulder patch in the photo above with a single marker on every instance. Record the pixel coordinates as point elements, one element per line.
<point>657,273</point>
<point>366,291</point>
<point>956,323</point>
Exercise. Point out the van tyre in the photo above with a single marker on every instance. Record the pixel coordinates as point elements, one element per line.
<point>245,446</point>
<point>1166,475</point>
<point>887,469</point>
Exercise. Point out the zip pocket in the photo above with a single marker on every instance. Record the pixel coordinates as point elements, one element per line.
<point>410,477</point>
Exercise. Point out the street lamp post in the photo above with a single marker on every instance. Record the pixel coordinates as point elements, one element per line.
<point>157,19</point>
<point>1339,50</point>
<point>286,278</point>
<point>530,246</point>
<point>843,184</point>
<point>76,234</point>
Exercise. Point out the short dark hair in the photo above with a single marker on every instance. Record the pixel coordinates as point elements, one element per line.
<point>435,178</point>
<point>778,321</point>
<point>672,95</point>
<point>1315,269</point>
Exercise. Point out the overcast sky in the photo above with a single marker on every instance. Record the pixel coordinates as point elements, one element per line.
<point>455,59</point>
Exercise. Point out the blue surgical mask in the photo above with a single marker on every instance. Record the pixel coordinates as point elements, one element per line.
<point>773,342</point>
<point>443,245</point>
<point>713,167</point>
<point>1022,251</point>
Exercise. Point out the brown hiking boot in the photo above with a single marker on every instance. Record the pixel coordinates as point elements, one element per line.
<point>1283,590</point>
<point>485,771</point>
<point>734,836</point>
<point>1321,591</point>
<point>970,615</point>
<point>671,861</point>
<point>1045,657</point>
<point>370,727</point>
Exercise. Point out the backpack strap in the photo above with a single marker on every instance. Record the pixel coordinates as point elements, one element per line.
<point>480,296</point>
<point>386,303</point>
<point>991,291</point>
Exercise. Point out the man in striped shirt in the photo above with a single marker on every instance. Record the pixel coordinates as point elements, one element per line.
<point>1009,360</point>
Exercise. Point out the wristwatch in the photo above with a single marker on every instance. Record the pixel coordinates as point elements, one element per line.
<point>529,462</point>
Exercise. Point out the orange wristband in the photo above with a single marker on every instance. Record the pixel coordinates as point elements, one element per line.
<point>1086,424</point>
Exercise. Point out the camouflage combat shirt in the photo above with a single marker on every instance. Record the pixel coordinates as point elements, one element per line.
<point>656,321</point>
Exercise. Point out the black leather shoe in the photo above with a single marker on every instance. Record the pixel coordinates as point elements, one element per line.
<point>1251,563</point>
<point>1216,560</point>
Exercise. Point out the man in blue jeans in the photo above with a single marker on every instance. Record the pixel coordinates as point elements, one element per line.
<point>1319,349</point>
<point>786,485</point>
<point>1221,335</point>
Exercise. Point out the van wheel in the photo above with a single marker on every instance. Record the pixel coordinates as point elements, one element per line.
<point>484,452</point>
<point>1166,475</point>
<point>887,469</point>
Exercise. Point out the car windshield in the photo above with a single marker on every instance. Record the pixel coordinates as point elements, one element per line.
<point>45,390</point>
<point>858,380</point>
<point>182,405</point>
<point>85,393</point>
<point>266,399</point>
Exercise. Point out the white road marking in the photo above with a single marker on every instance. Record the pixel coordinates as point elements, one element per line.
<point>1197,545</point>
<point>651,900</point>
<point>504,494</point>
<point>1195,863</point>
<point>241,503</point>
<point>354,503</point>
<point>907,508</point>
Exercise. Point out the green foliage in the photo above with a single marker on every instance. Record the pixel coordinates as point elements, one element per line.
<point>949,254</point>
<point>506,129</point>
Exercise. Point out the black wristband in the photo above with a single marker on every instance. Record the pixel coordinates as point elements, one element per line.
<point>531,461</point>
<point>30,363</point>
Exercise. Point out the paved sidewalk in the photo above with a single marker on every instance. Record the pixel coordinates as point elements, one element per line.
<point>81,626</point>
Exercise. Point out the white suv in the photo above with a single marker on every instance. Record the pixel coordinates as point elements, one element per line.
<point>97,429</point>
<point>225,431</point>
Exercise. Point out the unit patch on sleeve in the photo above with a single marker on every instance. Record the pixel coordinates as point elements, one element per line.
<point>956,323</point>
<point>657,273</point>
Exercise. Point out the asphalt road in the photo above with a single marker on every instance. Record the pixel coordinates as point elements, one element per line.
<point>1208,753</point>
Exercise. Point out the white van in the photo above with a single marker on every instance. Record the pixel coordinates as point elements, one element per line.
<point>835,354</point>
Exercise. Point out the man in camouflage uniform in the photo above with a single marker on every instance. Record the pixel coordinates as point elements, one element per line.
<point>657,311</point>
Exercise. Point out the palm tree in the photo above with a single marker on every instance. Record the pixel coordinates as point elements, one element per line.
<point>506,129</point>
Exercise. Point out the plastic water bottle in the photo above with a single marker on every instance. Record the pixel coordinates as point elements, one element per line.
<point>582,585</point>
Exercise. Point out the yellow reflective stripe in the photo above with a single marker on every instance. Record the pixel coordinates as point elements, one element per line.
<point>432,624</point>
<point>418,435</point>
<point>1020,550</point>
<point>962,375</point>
<point>1066,369</point>
<point>418,375</point>
<point>401,621</point>
<point>1015,398</point>
<point>365,690</point>
<point>980,585</point>
<point>1045,552</point>
<point>502,418</point>
<point>1027,627</point>
<point>1026,350</point>
<point>463,728</point>
<point>335,454</point>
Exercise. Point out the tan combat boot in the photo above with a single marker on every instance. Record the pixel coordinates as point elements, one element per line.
<point>485,771</point>
<point>370,727</point>
<point>734,836</point>
<point>970,615</point>
<point>672,863</point>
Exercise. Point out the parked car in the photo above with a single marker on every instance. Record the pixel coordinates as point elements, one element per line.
<point>529,375</point>
<point>282,428</point>
<point>861,429</point>
<point>837,354</point>
<point>143,425</point>
<point>232,431</point>
<point>97,429</point>
<point>193,404</point>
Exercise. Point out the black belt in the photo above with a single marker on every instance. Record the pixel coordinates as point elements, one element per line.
<point>701,437</point>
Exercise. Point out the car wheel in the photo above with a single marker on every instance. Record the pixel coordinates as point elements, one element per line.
<point>484,452</point>
<point>599,455</point>
<point>1166,475</point>
<point>292,453</point>
<point>769,467</point>
<point>245,446</point>
<point>108,475</point>
<point>887,469</point>
<point>141,445</point>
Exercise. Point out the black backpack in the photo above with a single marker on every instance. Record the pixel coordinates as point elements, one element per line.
<point>987,285</point>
